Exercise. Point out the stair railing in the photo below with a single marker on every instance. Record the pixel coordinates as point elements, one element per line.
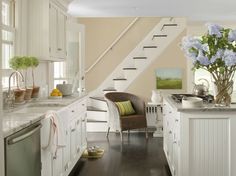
<point>112,44</point>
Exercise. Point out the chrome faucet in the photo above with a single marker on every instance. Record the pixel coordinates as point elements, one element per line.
<point>10,95</point>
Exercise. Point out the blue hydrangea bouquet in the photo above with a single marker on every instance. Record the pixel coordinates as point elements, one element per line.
<point>215,52</point>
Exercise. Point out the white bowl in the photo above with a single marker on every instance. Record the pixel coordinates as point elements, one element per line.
<point>192,102</point>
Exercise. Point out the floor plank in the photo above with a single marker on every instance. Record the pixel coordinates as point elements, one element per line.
<point>136,156</point>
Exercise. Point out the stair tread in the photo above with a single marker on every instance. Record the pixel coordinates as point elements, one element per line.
<point>119,79</point>
<point>109,89</point>
<point>140,57</point>
<point>91,108</point>
<point>171,24</point>
<point>159,35</point>
<point>130,68</point>
<point>98,98</point>
<point>97,121</point>
<point>151,46</point>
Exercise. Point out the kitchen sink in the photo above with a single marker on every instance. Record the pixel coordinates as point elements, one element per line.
<point>51,104</point>
<point>38,109</point>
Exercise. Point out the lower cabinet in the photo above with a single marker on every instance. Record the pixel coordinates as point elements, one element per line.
<point>171,137</point>
<point>199,142</point>
<point>75,137</point>
<point>57,163</point>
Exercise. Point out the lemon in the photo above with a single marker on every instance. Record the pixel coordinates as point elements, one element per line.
<point>59,94</point>
<point>55,90</point>
<point>54,94</point>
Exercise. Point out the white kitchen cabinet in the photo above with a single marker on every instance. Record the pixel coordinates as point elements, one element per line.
<point>171,137</point>
<point>73,118</point>
<point>73,140</point>
<point>57,28</point>
<point>66,150</point>
<point>47,29</point>
<point>199,142</point>
<point>57,163</point>
<point>84,130</point>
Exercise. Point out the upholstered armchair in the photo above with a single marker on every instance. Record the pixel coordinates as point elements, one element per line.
<point>126,122</point>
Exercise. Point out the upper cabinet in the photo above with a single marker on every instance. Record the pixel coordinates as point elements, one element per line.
<point>57,32</point>
<point>47,29</point>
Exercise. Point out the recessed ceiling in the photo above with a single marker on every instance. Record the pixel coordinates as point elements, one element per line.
<point>201,10</point>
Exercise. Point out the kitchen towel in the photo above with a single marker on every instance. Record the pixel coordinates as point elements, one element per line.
<point>56,134</point>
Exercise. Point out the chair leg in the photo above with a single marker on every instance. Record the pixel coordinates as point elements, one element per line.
<point>121,136</point>
<point>146,133</point>
<point>108,132</point>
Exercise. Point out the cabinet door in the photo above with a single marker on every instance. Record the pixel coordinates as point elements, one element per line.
<point>84,130</point>
<point>73,151</point>
<point>78,135</point>
<point>66,150</point>
<point>57,163</point>
<point>61,34</point>
<point>53,30</point>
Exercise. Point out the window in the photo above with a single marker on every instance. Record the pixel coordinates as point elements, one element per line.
<point>8,38</point>
<point>59,73</point>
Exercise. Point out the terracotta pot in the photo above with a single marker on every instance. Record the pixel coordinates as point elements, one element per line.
<point>19,95</point>
<point>35,92</point>
<point>28,93</point>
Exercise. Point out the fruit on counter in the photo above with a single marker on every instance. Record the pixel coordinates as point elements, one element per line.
<point>56,93</point>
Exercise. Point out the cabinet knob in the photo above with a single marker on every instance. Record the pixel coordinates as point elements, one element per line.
<point>73,130</point>
<point>175,142</point>
<point>66,167</point>
<point>59,49</point>
<point>78,149</point>
<point>170,132</point>
<point>83,104</point>
<point>176,120</point>
<point>72,111</point>
<point>170,112</point>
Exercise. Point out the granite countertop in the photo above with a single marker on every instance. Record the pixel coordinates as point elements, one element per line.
<point>207,107</point>
<point>25,115</point>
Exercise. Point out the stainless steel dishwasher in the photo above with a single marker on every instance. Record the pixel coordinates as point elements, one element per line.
<point>22,152</point>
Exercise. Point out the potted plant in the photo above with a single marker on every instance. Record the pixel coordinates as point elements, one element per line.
<point>27,63</point>
<point>34,64</point>
<point>17,64</point>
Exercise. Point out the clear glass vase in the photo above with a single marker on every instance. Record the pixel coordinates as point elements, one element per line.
<point>223,92</point>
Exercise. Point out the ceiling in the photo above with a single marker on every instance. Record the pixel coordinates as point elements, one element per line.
<point>199,10</point>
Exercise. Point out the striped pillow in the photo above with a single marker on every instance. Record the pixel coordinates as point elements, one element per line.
<point>125,108</point>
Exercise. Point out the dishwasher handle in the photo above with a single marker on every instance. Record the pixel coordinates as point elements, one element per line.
<point>22,137</point>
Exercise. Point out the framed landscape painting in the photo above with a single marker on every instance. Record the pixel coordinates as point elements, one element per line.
<point>169,78</point>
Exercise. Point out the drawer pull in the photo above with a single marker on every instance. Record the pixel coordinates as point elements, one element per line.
<point>72,111</point>
<point>170,132</point>
<point>176,120</point>
<point>170,112</point>
<point>73,130</point>
<point>175,142</point>
<point>83,104</point>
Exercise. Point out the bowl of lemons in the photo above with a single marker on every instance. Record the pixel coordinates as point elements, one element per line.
<point>55,94</point>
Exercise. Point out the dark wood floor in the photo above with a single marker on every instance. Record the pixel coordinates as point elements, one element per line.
<point>136,156</point>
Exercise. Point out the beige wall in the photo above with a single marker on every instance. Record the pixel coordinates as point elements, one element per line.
<point>172,57</point>
<point>100,33</point>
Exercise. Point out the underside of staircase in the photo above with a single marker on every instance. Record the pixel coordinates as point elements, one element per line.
<point>158,39</point>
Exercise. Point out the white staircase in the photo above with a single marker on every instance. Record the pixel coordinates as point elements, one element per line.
<point>158,39</point>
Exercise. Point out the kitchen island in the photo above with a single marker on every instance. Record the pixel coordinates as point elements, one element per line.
<point>199,141</point>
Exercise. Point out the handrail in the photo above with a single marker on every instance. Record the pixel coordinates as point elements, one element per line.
<point>112,44</point>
